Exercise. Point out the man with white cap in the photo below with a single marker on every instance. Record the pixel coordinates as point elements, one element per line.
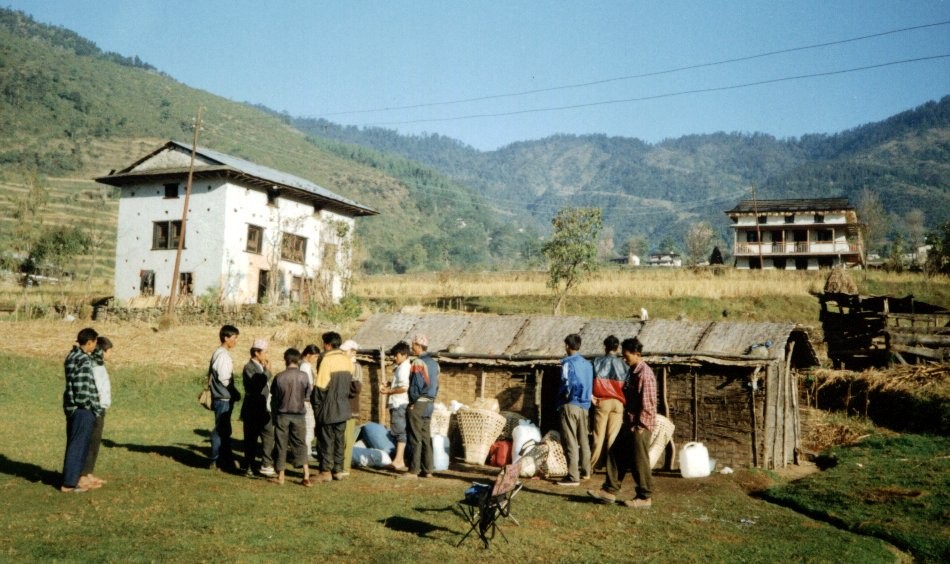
<point>255,410</point>
<point>423,389</point>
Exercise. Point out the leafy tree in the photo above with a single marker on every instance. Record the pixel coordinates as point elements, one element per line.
<point>638,245</point>
<point>895,258</point>
<point>667,245</point>
<point>57,246</point>
<point>938,258</point>
<point>698,240</point>
<point>572,250</point>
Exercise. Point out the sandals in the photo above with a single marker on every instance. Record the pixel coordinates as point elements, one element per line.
<point>306,482</point>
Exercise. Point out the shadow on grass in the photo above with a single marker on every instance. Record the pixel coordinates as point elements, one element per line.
<point>414,526</point>
<point>29,471</point>
<point>192,456</point>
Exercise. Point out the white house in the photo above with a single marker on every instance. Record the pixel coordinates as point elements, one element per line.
<point>804,234</point>
<point>252,233</point>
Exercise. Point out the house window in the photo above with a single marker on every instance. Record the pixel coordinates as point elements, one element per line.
<point>255,239</point>
<point>779,263</point>
<point>801,264</point>
<point>819,218</point>
<point>751,236</point>
<point>778,236</point>
<point>300,289</point>
<point>293,248</point>
<point>171,190</point>
<point>272,196</point>
<point>165,234</point>
<point>762,219</point>
<point>147,282</point>
<point>789,219</point>
<point>186,284</point>
<point>824,235</point>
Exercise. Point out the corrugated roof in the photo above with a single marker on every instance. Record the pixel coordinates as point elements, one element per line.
<point>798,205</point>
<point>510,337</point>
<point>239,165</point>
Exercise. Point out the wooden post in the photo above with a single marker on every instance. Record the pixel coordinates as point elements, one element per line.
<point>695,408</point>
<point>538,377</point>
<point>754,418</point>
<point>381,398</point>
<point>481,384</point>
<point>666,397</point>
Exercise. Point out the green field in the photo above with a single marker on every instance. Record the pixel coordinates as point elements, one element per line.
<point>162,503</point>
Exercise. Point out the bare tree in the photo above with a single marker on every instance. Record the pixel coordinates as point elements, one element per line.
<point>698,242</point>
<point>872,214</point>
<point>915,221</point>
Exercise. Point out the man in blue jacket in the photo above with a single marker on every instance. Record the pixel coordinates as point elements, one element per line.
<point>577,377</point>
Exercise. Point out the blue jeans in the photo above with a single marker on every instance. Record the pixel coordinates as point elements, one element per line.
<point>79,425</point>
<point>221,434</point>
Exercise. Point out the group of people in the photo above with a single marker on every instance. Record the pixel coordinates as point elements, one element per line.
<point>87,396</point>
<point>316,395</point>
<point>621,388</point>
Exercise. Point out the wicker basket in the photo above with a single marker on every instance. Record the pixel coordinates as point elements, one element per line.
<point>511,421</point>
<point>662,435</point>
<point>439,424</point>
<point>555,464</point>
<point>480,429</point>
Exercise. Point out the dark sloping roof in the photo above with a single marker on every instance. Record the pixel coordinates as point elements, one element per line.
<point>508,338</point>
<point>792,206</point>
<point>227,164</point>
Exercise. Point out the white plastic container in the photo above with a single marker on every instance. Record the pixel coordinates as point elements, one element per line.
<point>525,431</point>
<point>440,452</point>
<point>694,461</point>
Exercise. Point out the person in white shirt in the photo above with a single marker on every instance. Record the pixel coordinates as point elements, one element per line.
<point>309,355</point>
<point>398,392</point>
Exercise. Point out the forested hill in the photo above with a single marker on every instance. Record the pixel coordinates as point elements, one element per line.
<point>70,112</point>
<point>658,190</point>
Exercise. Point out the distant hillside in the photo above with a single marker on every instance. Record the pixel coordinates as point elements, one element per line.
<point>70,111</point>
<point>658,190</point>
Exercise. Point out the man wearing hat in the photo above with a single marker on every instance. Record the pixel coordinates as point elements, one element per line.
<point>423,388</point>
<point>255,410</point>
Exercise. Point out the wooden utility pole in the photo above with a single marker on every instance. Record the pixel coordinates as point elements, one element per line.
<point>758,228</point>
<point>173,294</point>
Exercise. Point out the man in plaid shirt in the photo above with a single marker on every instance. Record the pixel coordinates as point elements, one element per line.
<point>81,405</point>
<point>631,450</point>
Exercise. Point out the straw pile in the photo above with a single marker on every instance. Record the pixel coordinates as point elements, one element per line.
<point>840,282</point>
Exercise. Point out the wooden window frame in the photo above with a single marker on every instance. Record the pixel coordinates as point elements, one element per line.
<point>165,235</point>
<point>258,248</point>
<point>293,248</point>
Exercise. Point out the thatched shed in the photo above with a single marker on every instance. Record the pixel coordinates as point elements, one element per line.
<point>713,382</point>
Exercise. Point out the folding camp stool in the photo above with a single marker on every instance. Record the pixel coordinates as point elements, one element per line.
<point>483,505</point>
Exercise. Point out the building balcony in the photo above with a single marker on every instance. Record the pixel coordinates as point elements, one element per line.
<point>797,249</point>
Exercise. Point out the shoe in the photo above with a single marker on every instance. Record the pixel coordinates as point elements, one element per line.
<point>248,473</point>
<point>306,482</point>
<point>602,496</point>
<point>639,503</point>
<point>585,477</point>
<point>268,472</point>
<point>567,482</point>
<point>75,489</point>
<point>340,475</point>
<point>324,477</point>
<point>407,476</point>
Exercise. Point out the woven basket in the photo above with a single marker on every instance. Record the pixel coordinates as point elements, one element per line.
<point>555,464</point>
<point>662,435</point>
<point>439,425</point>
<point>479,429</point>
<point>511,421</point>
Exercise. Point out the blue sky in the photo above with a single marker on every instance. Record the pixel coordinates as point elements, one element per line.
<point>318,59</point>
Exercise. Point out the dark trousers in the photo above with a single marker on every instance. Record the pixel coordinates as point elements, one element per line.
<point>331,444</point>
<point>79,425</point>
<point>290,432</point>
<point>253,432</point>
<point>420,440</point>
<point>221,434</point>
<point>94,441</point>
<point>630,452</point>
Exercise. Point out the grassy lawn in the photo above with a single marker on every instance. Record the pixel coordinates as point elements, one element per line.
<point>892,487</point>
<point>162,503</point>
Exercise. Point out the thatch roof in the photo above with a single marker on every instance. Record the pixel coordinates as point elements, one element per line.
<point>538,338</point>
